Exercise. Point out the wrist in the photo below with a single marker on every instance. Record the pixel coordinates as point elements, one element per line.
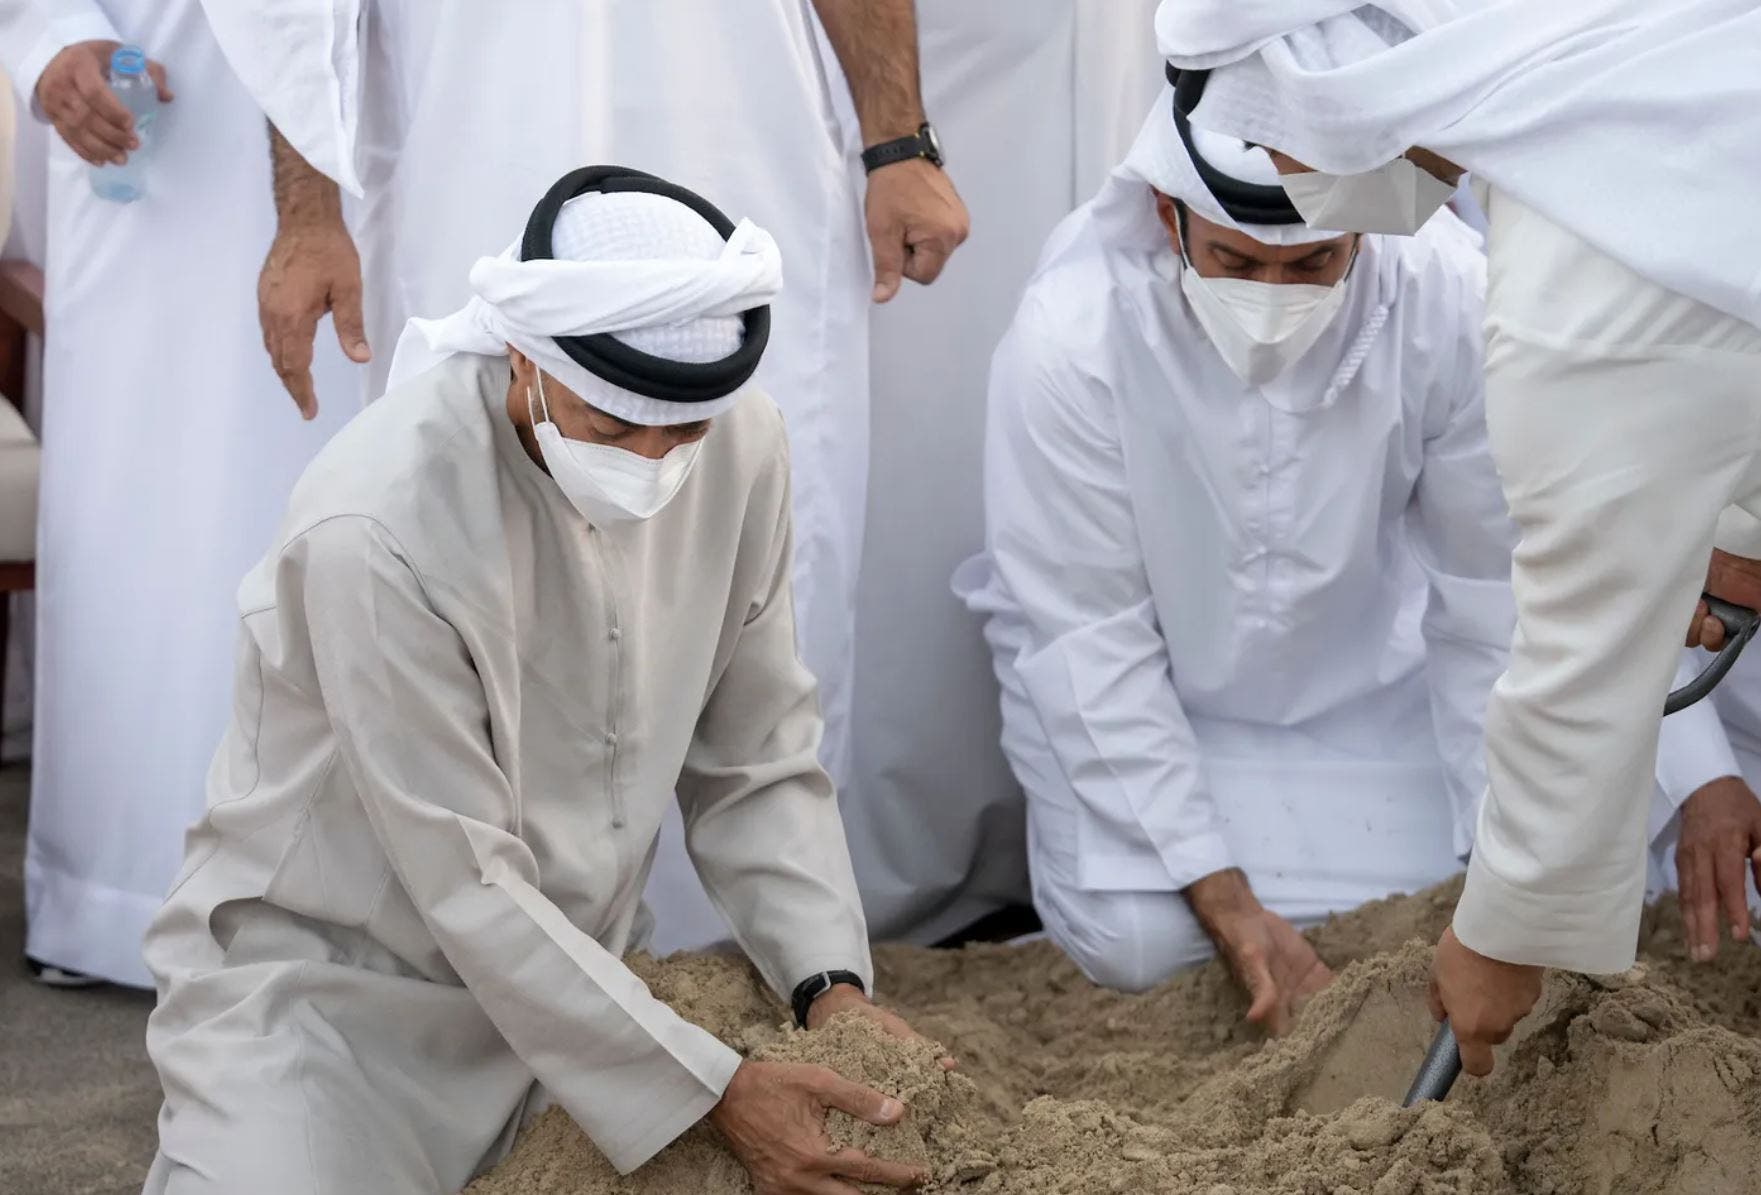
<point>916,144</point>
<point>892,126</point>
<point>1220,897</point>
<point>317,218</point>
<point>832,1001</point>
<point>813,990</point>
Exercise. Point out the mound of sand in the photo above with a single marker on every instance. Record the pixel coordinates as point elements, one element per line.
<point>1648,1084</point>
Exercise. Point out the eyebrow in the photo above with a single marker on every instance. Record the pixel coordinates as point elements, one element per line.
<point>1219,248</point>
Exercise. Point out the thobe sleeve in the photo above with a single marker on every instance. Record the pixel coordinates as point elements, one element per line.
<point>301,60</point>
<point>1463,538</point>
<point>761,819</point>
<point>411,717</point>
<point>32,32</point>
<point>1062,540</point>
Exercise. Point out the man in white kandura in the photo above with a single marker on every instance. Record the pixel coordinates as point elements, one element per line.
<point>1619,142</point>
<point>1247,570</point>
<point>538,588</point>
<point>392,102</point>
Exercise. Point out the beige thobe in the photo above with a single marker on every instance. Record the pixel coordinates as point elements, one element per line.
<point>459,715</point>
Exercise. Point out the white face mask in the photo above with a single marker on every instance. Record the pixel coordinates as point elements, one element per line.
<point>1261,328</point>
<point>1395,199</point>
<point>606,484</point>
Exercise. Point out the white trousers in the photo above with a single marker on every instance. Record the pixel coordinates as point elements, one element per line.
<point>1624,418</point>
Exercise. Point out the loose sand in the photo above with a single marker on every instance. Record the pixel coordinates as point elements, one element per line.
<point>1648,1083</point>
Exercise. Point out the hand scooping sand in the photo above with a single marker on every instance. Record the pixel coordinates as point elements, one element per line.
<point>1277,966</point>
<point>772,1117</point>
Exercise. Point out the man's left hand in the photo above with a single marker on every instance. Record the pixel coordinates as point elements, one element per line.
<point>1720,842</point>
<point>1482,997</point>
<point>843,998</point>
<point>915,222</point>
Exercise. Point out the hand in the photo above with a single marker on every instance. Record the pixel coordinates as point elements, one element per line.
<point>772,1116</point>
<point>74,92</point>
<point>1736,579</point>
<point>1720,834</point>
<point>915,222</point>
<point>844,997</point>
<point>1276,965</point>
<point>311,268</point>
<point>1482,997</point>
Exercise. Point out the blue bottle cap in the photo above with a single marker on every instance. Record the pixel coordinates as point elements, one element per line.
<point>128,60</point>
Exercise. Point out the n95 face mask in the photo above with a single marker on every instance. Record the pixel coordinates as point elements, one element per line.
<point>1261,329</point>
<point>1395,199</point>
<point>606,484</point>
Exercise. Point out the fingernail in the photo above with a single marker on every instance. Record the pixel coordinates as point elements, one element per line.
<point>891,1109</point>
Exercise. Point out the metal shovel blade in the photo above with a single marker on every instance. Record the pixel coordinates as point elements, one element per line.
<point>1438,1073</point>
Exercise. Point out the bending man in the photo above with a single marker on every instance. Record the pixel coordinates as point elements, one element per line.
<point>1623,381</point>
<point>514,606</point>
<point>1247,570</point>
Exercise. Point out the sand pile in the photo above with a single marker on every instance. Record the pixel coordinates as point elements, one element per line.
<point>1649,1083</point>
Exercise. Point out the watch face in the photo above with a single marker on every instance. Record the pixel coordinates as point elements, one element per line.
<point>934,142</point>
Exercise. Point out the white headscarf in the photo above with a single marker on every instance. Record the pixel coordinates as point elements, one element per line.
<point>1158,158</point>
<point>642,267</point>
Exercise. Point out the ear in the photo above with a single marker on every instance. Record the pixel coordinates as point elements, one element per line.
<point>1169,214</point>
<point>525,370</point>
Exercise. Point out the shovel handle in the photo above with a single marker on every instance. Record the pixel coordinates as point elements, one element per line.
<point>1740,624</point>
<point>1438,1073</point>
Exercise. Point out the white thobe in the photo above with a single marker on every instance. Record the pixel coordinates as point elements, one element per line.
<point>1236,625</point>
<point>168,453</point>
<point>1621,365</point>
<point>459,715</point>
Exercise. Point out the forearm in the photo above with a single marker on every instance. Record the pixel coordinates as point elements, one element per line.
<point>304,197</point>
<point>1219,896</point>
<point>876,44</point>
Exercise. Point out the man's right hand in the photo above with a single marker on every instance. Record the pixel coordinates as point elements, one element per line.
<point>74,92</point>
<point>1720,842</point>
<point>772,1116</point>
<point>1276,965</point>
<point>312,268</point>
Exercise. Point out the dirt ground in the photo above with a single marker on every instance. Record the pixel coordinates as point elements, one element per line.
<point>1645,1084</point>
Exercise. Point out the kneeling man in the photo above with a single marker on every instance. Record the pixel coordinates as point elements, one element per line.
<point>1246,571</point>
<point>516,605</point>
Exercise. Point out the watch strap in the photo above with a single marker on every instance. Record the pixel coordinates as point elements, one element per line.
<point>901,149</point>
<point>817,985</point>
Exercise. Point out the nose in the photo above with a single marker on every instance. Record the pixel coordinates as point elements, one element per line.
<point>651,442</point>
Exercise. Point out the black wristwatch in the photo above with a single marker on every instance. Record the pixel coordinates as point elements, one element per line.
<point>815,986</point>
<point>922,144</point>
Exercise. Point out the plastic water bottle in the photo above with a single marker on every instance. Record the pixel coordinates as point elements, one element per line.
<point>138,93</point>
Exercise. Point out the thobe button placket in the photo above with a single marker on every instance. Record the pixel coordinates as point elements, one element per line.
<point>617,816</point>
<point>615,634</point>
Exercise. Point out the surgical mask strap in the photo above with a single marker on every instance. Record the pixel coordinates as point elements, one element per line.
<point>530,413</point>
